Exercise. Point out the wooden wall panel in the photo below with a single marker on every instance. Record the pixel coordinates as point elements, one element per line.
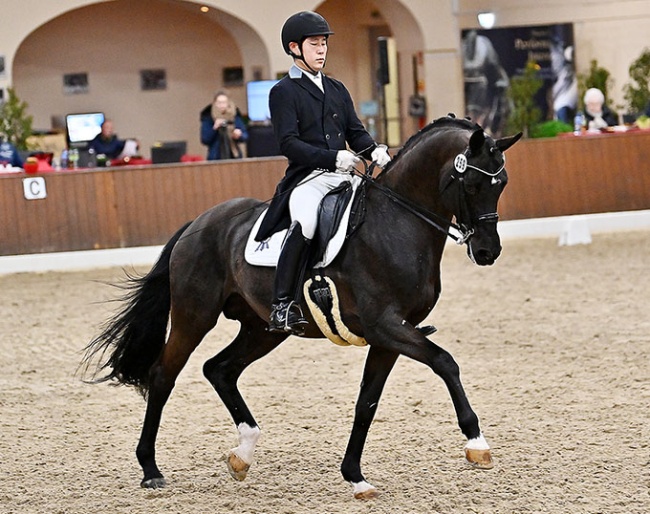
<point>577,175</point>
<point>145,205</point>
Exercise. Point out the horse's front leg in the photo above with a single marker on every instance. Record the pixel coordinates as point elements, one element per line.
<point>379,364</point>
<point>252,343</point>
<point>406,340</point>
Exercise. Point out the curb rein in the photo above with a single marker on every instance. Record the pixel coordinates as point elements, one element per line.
<point>435,220</point>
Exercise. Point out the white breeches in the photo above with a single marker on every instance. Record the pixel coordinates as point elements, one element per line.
<point>306,197</point>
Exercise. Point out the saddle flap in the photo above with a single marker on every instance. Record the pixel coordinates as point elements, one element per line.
<point>330,213</point>
<point>266,253</point>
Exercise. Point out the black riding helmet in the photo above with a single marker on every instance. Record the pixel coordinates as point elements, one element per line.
<point>302,25</point>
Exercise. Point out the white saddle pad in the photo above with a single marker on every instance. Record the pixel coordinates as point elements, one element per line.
<point>266,253</point>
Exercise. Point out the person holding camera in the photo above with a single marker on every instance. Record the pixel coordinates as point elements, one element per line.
<point>222,128</point>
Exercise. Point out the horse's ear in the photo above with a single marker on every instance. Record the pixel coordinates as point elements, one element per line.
<point>476,141</point>
<point>506,142</point>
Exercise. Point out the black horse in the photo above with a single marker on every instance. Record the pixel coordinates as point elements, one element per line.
<point>387,278</point>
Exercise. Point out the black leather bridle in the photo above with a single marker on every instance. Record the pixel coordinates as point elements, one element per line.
<point>464,227</point>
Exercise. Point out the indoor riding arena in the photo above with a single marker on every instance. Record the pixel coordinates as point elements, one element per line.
<point>552,342</point>
<point>552,338</point>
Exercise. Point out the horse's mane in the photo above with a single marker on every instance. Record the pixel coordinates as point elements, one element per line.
<point>449,122</point>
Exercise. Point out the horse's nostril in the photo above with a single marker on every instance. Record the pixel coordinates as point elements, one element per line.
<point>484,255</point>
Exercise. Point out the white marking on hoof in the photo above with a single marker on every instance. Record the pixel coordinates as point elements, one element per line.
<point>239,459</point>
<point>154,483</point>
<point>477,453</point>
<point>364,491</point>
<point>478,443</point>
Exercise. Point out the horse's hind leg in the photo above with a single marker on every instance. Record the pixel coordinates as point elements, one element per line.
<point>182,341</point>
<point>379,364</point>
<point>253,342</point>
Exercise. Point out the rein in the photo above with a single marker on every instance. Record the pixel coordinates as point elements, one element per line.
<point>431,218</point>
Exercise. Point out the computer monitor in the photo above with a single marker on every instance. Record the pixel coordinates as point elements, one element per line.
<point>82,128</point>
<point>167,152</point>
<point>257,95</point>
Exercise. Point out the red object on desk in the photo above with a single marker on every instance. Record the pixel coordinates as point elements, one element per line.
<point>30,166</point>
<point>37,164</point>
<point>129,161</point>
<point>192,158</point>
<point>43,165</point>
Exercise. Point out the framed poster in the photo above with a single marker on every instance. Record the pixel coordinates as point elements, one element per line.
<point>153,80</point>
<point>75,83</point>
<point>491,58</point>
<point>233,76</point>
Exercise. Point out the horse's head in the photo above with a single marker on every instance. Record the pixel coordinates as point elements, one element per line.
<point>471,188</point>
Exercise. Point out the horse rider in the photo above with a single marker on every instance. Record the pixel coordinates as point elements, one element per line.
<point>313,118</point>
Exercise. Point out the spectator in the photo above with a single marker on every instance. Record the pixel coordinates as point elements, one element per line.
<point>222,128</point>
<point>9,155</point>
<point>107,142</point>
<point>597,114</point>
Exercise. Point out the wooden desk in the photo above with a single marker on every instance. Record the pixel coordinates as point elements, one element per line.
<point>577,175</point>
<point>124,206</point>
<point>145,205</point>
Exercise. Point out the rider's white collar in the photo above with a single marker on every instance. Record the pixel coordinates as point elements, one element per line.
<point>296,72</point>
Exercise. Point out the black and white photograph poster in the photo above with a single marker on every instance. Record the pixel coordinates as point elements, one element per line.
<point>491,58</point>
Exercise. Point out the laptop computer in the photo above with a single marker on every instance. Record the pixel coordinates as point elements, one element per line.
<point>168,152</point>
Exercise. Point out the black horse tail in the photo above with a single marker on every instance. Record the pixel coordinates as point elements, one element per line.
<point>135,336</point>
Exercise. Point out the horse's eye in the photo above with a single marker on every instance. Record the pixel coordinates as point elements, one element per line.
<point>470,189</point>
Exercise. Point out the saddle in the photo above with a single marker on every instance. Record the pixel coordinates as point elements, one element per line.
<point>340,214</point>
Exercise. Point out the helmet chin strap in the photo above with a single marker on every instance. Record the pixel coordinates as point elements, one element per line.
<point>302,58</point>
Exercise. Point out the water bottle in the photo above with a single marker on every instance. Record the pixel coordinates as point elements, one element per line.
<point>74,158</point>
<point>64,159</point>
<point>578,123</point>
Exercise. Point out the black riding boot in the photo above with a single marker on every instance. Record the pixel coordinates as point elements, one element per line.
<point>286,315</point>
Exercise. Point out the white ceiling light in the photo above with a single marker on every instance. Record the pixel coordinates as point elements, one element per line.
<point>486,19</point>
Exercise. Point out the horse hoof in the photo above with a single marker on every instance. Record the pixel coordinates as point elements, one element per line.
<point>153,483</point>
<point>237,467</point>
<point>367,495</point>
<point>481,459</point>
<point>364,491</point>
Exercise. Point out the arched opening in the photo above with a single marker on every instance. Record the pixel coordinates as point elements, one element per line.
<point>112,43</point>
<point>355,59</point>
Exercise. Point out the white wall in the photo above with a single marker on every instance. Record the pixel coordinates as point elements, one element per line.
<point>113,40</point>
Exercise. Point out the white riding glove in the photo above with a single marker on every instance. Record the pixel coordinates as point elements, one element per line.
<point>380,156</point>
<point>346,161</point>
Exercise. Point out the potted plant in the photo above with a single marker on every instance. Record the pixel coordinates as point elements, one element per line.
<point>525,113</point>
<point>550,128</point>
<point>598,77</point>
<point>637,91</point>
<point>15,123</point>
